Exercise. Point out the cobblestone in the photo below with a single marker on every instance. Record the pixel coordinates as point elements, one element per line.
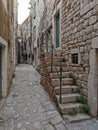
<point>28,106</point>
<point>91,124</point>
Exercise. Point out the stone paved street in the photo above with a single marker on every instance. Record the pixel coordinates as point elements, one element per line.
<point>29,107</point>
<point>91,124</point>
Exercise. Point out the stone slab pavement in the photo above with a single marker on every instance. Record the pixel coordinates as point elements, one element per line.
<point>91,124</point>
<point>29,107</point>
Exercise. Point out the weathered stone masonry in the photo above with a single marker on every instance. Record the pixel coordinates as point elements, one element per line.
<point>78,35</point>
<point>3,22</point>
<point>6,43</point>
<point>45,77</point>
<point>79,25</point>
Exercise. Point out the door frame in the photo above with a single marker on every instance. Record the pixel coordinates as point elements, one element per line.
<point>56,10</point>
<point>93,79</point>
<point>0,72</point>
<point>4,44</point>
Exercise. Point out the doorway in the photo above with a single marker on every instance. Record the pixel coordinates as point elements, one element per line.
<point>96,66</point>
<point>93,83</point>
<point>0,72</point>
<point>58,29</point>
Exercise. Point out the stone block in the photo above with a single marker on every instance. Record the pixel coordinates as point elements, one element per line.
<point>92,20</point>
<point>95,42</point>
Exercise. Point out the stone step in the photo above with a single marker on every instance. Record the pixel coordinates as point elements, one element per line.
<point>66,89</point>
<point>77,117</point>
<point>65,81</point>
<point>55,58</point>
<point>55,63</point>
<point>68,98</point>
<point>56,69</point>
<point>47,54</point>
<point>66,108</point>
<point>64,75</point>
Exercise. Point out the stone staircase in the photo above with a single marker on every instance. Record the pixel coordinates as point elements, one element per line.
<point>69,92</point>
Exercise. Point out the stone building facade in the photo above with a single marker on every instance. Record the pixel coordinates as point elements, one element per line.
<point>6,46</point>
<point>15,15</point>
<point>79,36</point>
<point>72,27</point>
<point>25,45</point>
<point>36,7</point>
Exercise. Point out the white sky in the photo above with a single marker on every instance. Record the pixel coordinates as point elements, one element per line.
<point>23,11</point>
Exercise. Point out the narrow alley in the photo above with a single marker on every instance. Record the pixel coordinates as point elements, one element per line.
<point>28,106</point>
<point>49,65</point>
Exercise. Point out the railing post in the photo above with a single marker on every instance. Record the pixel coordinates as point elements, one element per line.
<point>60,82</point>
<point>46,42</point>
<point>51,58</point>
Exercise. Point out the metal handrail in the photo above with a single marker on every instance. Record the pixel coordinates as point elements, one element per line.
<point>59,75</point>
<point>53,51</point>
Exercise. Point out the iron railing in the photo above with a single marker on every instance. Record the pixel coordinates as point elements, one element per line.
<point>53,51</point>
<point>53,63</point>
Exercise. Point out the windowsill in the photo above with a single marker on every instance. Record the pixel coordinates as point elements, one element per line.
<point>58,48</point>
<point>85,8</point>
<point>74,65</point>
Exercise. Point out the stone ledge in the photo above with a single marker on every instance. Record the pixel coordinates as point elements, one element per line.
<point>95,43</point>
<point>84,9</point>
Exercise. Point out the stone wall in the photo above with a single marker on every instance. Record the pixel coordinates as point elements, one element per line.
<point>10,55</point>
<point>15,13</point>
<point>78,35</point>
<point>6,41</point>
<point>26,49</point>
<point>45,77</point>
<point>3,22</point>
<point>78,26</point>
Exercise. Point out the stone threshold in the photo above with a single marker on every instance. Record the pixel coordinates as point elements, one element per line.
<point>2,102</point>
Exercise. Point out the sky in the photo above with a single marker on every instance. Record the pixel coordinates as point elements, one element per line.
<point>23,11</point>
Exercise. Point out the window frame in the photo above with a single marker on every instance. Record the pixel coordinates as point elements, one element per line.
<point>56,10</point>
<point>73,58</point>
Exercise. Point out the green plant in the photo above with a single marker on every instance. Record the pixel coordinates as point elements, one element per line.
<point>73,112</point>
<point>14,75</point>
<point>38,69</point>
<point>82,100</point>
<point>71,75</point>
<point>63,59</point>
<point>86,108</point>
<point>79,90</point>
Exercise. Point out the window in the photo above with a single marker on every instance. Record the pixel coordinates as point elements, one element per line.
<point>57,18</point>
<point>75,58</point>
<point>56,24</point>
<point>34,11</point>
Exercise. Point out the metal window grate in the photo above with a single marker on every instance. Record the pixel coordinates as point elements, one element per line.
<point>75,58</point>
